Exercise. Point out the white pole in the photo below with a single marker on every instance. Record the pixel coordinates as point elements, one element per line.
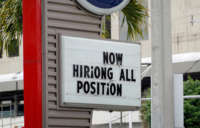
<point>130,120</point>
<point>10,105</point>
<point>178,101</point>
<point>162,79</point>
<point>2,115</point>
<point>184,97</point>
<point>192,97</point>
<point>110,120</point>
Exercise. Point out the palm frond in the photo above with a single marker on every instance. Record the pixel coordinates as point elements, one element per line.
<point>135,16</point>
<point>10,24</point>
<point>106,27</point>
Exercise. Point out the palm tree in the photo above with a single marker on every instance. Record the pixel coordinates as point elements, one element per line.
<point>135,15</point>
<point>10,26</point>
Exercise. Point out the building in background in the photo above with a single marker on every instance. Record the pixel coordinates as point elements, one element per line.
<point>185,28</point>
<point>11,90</point>
<point>186,58</point>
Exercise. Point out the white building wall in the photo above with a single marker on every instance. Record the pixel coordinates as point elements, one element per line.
<point>17,122</point>
<point>12,64</point>
<point>185,31</point>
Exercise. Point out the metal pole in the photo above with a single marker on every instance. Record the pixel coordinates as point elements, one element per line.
<point>2,115</point>
<point>10,105</point>
<point>110,120</point>
<point>178,101</point>
<point>130,120</point>
<point>15,106</point>
<point>162,80</point>
<point>121,120</point>
<point>192,97</point>
<point>184,97</point>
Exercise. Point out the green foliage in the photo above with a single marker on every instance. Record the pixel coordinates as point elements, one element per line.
<point>135,15</point>
<point>1,46</point>
<point>146,111</point>
<point>13,49</point>
<point>191,106</point>
<point>106,32</point>
<point>10,25</point>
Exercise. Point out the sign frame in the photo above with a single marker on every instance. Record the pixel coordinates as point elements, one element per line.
<point>94,106</point>
<point>102,11</point>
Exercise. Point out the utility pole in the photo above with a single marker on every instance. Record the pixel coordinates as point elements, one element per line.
<point>162,78</point>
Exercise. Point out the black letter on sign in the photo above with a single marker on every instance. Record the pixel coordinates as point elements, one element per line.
<point>97,72</point>
<point>112,89</point>
<point>93,88</point>
<point>79,86</point>
<point>86,71</point>
<point>132,76</point>
<point>122,77</point>
<point>75,70</point>
<point>119,58</point>
<point>127,76</point>
<point>119,90</point>
<point>103,73</point>
<point>105,57</point>
<point>110,74</point>
<point>112,58</point>
<point>86,87</point>
<point>103,87</point>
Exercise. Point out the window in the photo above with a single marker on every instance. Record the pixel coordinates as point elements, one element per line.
<point>20,111</point>
<point>1,47</point>
<point>6,111</point>
<point>1,52</point>
<point>13,49</point>
<point>9,111</point>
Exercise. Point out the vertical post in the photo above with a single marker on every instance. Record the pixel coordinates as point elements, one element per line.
<point>15,103</point>
<point>121,118</point>
<point>115,26</point>
<point>130,120</point>
<point>110,120</point>
<point>32,50</point>
<point>10,105</point>
<point>178,101</point>
<point>2,115</point>
<point>162,79</point>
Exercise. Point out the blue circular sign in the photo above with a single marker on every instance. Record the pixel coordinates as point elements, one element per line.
<point>105,3</point>
<point>103,7</point>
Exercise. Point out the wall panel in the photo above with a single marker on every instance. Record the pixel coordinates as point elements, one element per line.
<point>63,17</point>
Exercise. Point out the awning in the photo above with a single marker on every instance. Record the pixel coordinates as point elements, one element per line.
<point>11,82</point>
<point>182,63</point>
<point>11,77</point>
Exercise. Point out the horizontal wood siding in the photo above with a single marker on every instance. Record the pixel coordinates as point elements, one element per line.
<point>65,17</point>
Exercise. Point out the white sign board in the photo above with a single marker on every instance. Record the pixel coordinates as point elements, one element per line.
<point>100,74</point>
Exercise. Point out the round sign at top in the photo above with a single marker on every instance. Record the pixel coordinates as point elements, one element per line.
<point>103,7</point>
